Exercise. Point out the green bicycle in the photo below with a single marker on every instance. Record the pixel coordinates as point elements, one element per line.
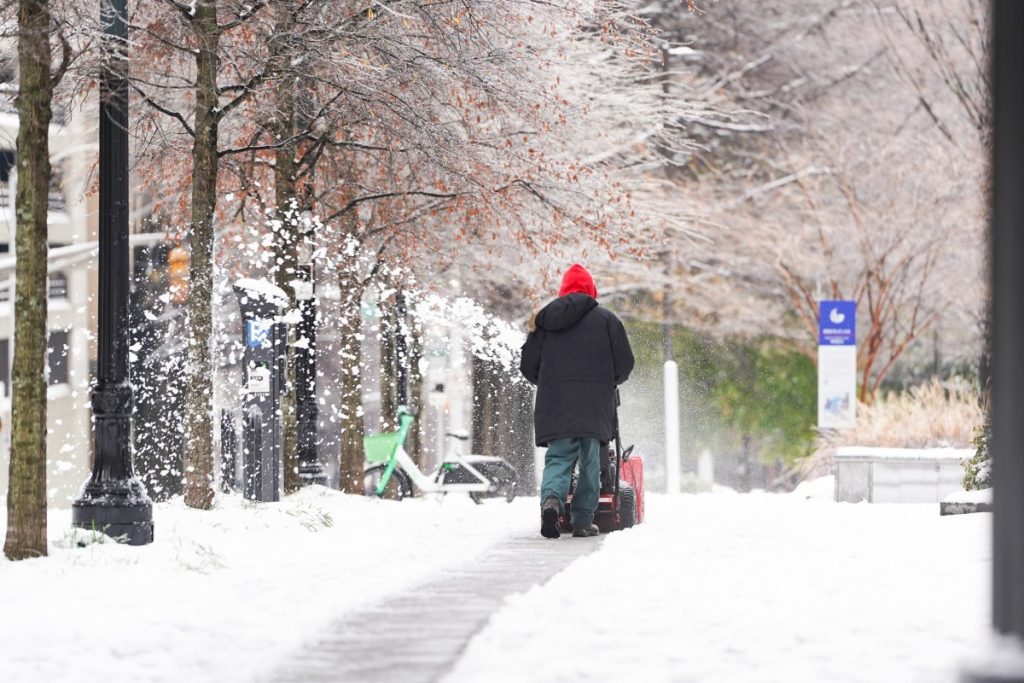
<point>391,473</point>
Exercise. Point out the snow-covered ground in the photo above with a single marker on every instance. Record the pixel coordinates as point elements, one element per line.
<point>786,588</point>
<point>712,587</point>
<point>227,595</point>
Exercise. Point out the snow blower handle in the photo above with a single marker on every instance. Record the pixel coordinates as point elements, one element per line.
<point>618,443</point>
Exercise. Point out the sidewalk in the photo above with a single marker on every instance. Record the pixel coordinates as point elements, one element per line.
<point>757,588</point>
<point>418,635</point>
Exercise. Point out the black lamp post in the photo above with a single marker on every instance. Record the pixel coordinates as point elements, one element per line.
<point>114,500</point>
<point>1007,254</point>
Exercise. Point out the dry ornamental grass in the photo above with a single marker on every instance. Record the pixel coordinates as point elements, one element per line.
<point>935,414</point>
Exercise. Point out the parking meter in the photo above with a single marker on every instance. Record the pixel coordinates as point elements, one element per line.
<point>263,365</point>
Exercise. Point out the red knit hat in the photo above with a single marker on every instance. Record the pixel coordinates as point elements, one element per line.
<point>577,279</point>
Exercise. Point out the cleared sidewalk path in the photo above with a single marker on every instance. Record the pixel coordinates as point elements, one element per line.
<point>419,635</point>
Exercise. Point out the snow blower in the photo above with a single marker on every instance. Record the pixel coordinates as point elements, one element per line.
<point>621,501</point>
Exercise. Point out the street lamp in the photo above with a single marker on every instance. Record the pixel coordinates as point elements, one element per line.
<point>113,500</point>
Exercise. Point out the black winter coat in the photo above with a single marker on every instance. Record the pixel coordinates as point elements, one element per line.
<point>576,356</point>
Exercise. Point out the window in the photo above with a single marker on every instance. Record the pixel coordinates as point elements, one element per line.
<point>56,193</point>
<point>6,164</point>
<point>57,352</point>
<point>5,365</point>
<point>8,70</point>
<point>57,286</point>
<point>57,282</point>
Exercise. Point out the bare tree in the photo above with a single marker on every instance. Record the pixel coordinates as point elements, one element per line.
<point>413,133</point>
<point>182,51</point>
<point>832,178</point>
<point>26,498</point>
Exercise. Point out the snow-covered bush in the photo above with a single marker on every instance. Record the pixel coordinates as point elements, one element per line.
<point>978,469</point>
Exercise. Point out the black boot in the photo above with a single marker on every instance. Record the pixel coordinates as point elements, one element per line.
<point>586,531</point>
<point>549,512</point>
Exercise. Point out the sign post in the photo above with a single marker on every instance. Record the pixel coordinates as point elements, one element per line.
<point>262,305</point>
<point>837,364</point>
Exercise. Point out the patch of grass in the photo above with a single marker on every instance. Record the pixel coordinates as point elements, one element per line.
<point>77,537</point>
<point>312,518</point>
<point>197,557</point>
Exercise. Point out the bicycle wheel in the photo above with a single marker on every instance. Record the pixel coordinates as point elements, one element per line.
<point>399,485</point>
<point>509,481</point>
<point>504,478</point>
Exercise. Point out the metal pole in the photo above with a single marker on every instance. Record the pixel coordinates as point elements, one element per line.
<point>667,343</point>
<point>311,470</point>
<point>1008,322</point>
<point>113,499</point>
<point>1007,258</point>
<point>672,427</point>
<point>401,351</point>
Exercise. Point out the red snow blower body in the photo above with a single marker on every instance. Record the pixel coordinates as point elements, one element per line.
<point>621,501</point>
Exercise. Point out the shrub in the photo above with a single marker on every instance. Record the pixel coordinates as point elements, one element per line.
<point>978,468</point>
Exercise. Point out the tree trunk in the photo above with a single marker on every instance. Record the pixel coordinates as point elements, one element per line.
<point>286,258</point>
<point>351,456</point>
<point>415,444</point>
<point>198,406</point>
<point>486,415</point>
<point>26,498</point>
<point>520,447</point>
<point>388,362</point>
<point>503,420</point>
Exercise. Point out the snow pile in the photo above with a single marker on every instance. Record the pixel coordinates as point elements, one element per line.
<point>753,588</point>
<point>228,594</point>
<point>979,496</point>
<point>822,488</point>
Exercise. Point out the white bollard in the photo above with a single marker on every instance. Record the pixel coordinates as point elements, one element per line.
<point>671,427</point>
<point>706,467</point>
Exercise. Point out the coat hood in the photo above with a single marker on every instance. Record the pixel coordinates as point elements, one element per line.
<point>577,279</point>
<point>565,311</point>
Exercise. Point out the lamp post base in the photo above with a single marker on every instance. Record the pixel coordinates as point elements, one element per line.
<point>312,474</point>
<point>125,512</point>
<point>1000,661</point>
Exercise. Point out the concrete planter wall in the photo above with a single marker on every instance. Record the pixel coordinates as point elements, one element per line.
<point>898,475</point>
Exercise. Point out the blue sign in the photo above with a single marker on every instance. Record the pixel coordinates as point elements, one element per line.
<point>257,334</point>
<point>837,323</point>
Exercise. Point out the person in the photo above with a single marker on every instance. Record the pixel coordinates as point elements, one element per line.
<point>576,353</point>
